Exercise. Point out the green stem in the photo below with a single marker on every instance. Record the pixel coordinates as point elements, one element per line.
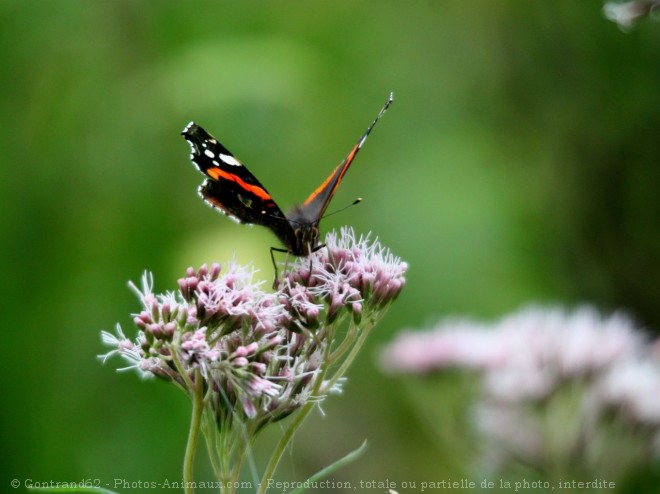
<point>282,445</point>
<point>211,437</point>
<point>245,438</point>
<point>300,417</point>
<point>290,431</point>
<point>238,460</point>
<point>346,343</point>
<point>225,447</point>
<point>351,356</point>
<point>193,433</point>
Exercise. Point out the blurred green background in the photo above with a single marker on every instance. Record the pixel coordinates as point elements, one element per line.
<point>519,162</point>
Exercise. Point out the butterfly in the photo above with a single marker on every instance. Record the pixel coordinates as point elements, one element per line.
<point>231,188</point>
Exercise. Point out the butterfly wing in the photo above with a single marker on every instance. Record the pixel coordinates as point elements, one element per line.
<point>229,186</point>
<point>318,201</point>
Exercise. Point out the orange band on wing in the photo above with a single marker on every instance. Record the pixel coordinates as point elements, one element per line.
<point>321,187</point>
<point>217,174</point>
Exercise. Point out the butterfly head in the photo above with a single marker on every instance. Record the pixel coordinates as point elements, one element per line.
<point>304,231</point>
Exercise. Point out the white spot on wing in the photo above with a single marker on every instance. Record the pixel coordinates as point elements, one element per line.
<point>230,160</point>
<point>209,153</point>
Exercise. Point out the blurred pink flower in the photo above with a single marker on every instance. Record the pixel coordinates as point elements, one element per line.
<point>632,387</point>
<point>627,14</point>
<point>525,354</point>
<point>455,343</point>
<point>555,385</point>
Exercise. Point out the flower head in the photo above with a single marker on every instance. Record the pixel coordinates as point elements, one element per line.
<point>261,355</point>
<point>350,273</point>
<point>246,357</point>
<point>554,385</point>
<point>527,353</point>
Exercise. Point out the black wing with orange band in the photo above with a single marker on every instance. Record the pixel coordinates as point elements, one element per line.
<point>229,186</point>
<point>318,201</point>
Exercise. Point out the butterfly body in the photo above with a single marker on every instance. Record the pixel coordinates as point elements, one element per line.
<point>232,189</point>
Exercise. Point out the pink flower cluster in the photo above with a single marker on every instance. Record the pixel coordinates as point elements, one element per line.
<point>352,273</point>
<point>548,377</point>
<point>259,353</point>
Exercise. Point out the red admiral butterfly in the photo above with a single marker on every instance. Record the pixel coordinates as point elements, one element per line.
<point>230,188</point>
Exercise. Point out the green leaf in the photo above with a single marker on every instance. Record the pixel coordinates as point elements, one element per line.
<point>353,455</point>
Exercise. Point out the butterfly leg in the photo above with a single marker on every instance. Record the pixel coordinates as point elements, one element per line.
<point>316,249</point>
<point>319,247</point>
<point>272,257</point>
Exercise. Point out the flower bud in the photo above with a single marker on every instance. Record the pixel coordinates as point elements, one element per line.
<point>241,351</point>
<point>169,330</point>
<point>165,311</point>
<point>203,271</point>
<point>240,362</point>
<point>144,344</point>
<point>336,304</point>
<point>356,308</point>
<point>215,271</point>
<point>258,367</point>
<point>252,348</point>
<point>139,323</point>
<point>156,330</point>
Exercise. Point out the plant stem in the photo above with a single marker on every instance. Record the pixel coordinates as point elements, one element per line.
<point>210,434</point>
<point>346,343</point>
<point>290,431</point>
<point>193,433</point>
<point>282,445</point>
<point>364,332</point>
<point>300,417</point>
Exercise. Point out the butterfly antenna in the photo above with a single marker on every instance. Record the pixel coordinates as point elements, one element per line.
<point>356,201</point>
<point>380,114</point>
